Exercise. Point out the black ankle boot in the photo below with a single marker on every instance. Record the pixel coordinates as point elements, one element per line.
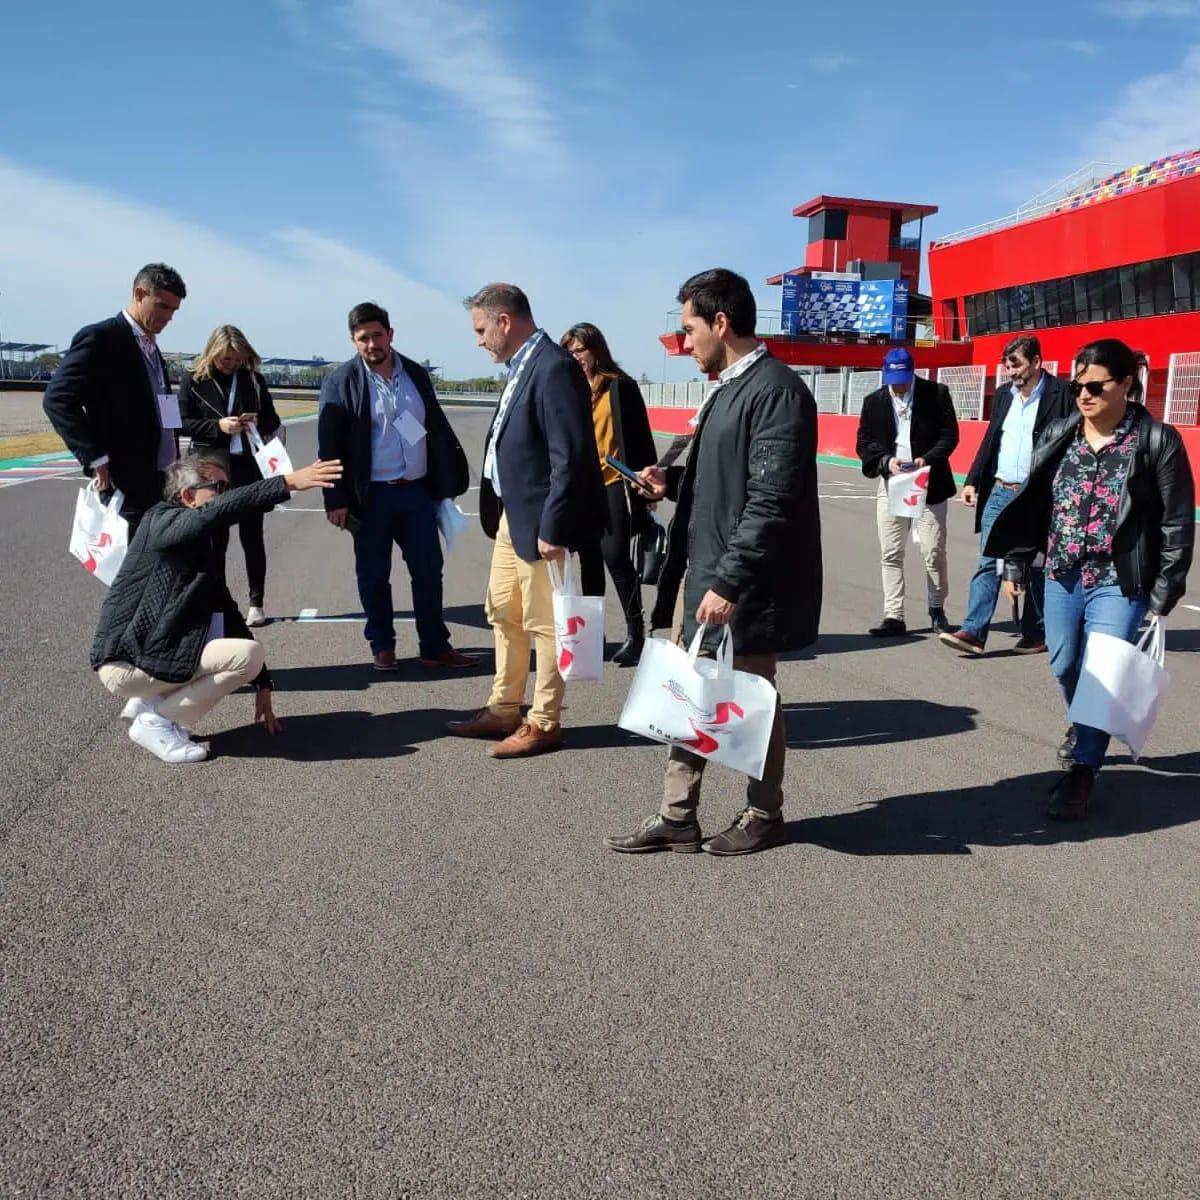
<point>1071,796</point>
<point>629,654</point>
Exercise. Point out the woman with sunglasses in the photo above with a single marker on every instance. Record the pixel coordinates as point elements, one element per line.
<point>222,399</point>
<point>1110,502</point>
<point>622,430</point>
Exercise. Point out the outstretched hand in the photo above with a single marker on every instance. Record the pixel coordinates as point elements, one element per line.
<point>318,475</point>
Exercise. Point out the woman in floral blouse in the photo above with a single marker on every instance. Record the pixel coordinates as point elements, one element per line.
<point>1110,501</point>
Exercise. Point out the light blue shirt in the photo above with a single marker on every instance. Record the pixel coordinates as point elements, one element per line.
<point>516,364</point>
<point>1016,435</point>
<point>393,456</point>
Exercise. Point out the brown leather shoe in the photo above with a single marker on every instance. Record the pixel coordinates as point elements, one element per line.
<point>961,640</point>
<point>746,835</point>
<point>1026,645</point>
<point>527,740</point>
<point>385,660</point>
<point>451,658</point>
<point>485,724</point>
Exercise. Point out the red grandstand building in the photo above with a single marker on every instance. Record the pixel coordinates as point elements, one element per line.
<point>1104,254</point>
<point>1118,258</point>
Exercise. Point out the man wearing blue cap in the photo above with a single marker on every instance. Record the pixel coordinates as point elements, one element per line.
<point>909,423</point>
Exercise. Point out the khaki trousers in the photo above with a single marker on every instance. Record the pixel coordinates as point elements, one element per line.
<point>894,534</point>
<point>520,610</point>
<point>685,770</point>
<point>225,665</point>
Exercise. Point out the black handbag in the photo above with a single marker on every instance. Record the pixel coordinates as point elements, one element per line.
<point>650,551</point>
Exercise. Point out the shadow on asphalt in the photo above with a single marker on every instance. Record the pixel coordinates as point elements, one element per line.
<point>344,736</point>
<point>847,643</point>
<point>1186,641</point>
<point>1158,794</point>
<point>358,676</point>
<point>838,723</point>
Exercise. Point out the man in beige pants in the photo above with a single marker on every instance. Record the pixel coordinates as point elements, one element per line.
<point>909,424</point>
<point>540,497</point>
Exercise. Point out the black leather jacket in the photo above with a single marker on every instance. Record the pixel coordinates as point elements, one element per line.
<point>1156,517</point>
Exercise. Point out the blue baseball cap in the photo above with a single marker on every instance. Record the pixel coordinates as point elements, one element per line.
<point>898,366</point>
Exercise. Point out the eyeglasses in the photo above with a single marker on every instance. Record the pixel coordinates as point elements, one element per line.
<point>218,485</point>
<point>1093,387</point>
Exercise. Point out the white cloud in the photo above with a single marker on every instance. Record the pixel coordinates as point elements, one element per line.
<point>1139,10</point>
<point>828,63</point>
<point>70,253</point>
<point>1079,46</point>
<point>1152,116</point>
<point>449,48</point>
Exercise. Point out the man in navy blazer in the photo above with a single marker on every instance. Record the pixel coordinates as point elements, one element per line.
<point>379,414</point>
<point>110,399</point>
<point>541,497</point>
<point>1022,408</point>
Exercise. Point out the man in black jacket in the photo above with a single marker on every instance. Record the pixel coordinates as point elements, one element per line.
<point>909,423</point>
<point>1021,410</point>
<point>745,544</point>
<point>380,415</point>
<point>171,640</point>
<point>540,497</point>
<point>110,399</point>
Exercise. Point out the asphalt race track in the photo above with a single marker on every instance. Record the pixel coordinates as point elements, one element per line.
<point>363,959</point>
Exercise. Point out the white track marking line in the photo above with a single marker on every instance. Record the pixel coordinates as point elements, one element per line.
<point>308,616</point>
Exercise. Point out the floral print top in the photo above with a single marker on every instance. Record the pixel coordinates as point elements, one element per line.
<point>1087,490</point>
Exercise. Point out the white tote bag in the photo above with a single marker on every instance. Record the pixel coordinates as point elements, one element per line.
<point>99,534</point>
<point>451,521</point>
<point>578,626</point>
<point>1122,685</point>
<point>906,493</point>
<point>702,704</point>
<point>271,457</point>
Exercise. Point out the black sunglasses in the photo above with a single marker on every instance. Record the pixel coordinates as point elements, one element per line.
<point>1093,387</point>
<point>218,485</point>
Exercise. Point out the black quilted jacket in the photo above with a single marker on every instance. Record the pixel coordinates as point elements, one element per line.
<point>158,610</point>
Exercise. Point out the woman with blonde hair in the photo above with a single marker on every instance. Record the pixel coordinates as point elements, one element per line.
<point>220,401</point>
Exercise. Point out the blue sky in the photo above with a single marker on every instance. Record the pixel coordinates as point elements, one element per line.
<point>292,157</point>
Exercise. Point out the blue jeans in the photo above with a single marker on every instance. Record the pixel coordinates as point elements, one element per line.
<point>985,583</point>
<point>407,515</point>
<point>1072,612</point>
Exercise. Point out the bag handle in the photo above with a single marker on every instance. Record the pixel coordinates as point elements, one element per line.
<point>115,502</point>
<point>256,442</point>
<point>1154,639</point>
<point>562,580</point>
<point>724,650</point>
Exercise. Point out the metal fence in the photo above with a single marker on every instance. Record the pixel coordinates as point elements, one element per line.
<point>966,386</point>
<point>1183,389</point>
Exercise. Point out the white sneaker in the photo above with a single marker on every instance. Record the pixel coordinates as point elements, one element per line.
<point>255,617</point>
<point>164,739</point>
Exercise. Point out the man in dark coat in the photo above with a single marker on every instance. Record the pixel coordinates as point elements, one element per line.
<point>745,544</point>
<point>909,423</point>
<point>379,414</point>
<point>110,399</point>
<point>1021,410</point>
<point>540,497</point>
